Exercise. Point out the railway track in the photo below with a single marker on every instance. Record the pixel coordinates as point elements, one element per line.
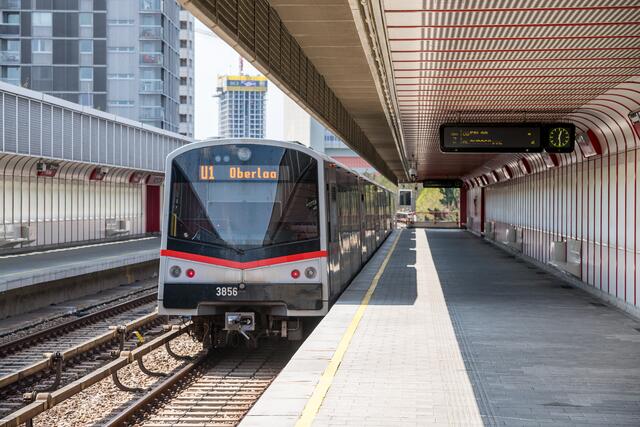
<point>53,357</point>
<point>10,346</point>
<point>216,389</point>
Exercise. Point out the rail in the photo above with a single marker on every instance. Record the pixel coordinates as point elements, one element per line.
<point>47,400</point>
<point>73,324</point>
<point>231,380</point>
<point>123,417</point>
<point>77,350</point>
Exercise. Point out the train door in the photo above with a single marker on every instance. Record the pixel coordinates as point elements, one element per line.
<point>333,236</point>
<point>362,216</point>
<point>152,209</point>
<point>344,212</point>
<point>363,221</point>
<point>354,227</point>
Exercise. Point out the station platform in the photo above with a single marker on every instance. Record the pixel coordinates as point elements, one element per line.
<point>442,328</point>
<point>36,267</point>
<point>36,279</point>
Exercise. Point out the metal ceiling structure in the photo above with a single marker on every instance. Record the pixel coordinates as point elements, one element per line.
<point>438,61</point>
<point>506,60</point>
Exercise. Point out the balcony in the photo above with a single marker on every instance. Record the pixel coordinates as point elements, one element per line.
<point>9,58</point>
<point>151,5</point>
<point>151,32</point>
<point>10,4</point>
<point>151,58</point>
<point>151,86</point>
<point>10,81</point>
<point>9,29</point>
<point>151,113</point>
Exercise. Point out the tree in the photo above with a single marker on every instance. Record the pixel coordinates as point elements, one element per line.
<point>451,197</point>
<point>429,199</point>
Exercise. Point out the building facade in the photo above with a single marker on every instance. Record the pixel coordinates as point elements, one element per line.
<point>301,127</point>
<point>242,106</point>
<point>187,58</point>
<point>120,56</point>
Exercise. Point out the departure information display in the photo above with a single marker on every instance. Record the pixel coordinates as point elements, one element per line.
<point>477,137</point>
<point>442,183</point>
<point>507,138</point>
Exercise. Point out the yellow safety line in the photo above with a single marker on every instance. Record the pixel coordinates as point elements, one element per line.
<point>313,405</point>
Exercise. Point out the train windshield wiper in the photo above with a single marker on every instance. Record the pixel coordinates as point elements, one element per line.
<point>219,245</point>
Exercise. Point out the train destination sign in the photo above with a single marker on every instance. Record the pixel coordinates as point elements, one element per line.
<point>238,173</point>
<point>507,137</point>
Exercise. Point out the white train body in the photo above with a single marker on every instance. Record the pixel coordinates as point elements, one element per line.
<point>264,226</point>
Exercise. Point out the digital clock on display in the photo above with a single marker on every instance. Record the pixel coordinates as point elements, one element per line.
<point>559,138</point>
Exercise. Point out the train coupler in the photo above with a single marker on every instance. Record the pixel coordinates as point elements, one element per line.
<point>241,322</point>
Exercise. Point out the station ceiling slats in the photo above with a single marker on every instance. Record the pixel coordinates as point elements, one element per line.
<point>502,61</point>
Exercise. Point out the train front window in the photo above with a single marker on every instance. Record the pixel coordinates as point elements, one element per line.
<point>244,196</point>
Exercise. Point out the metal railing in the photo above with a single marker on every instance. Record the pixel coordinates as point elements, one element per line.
<point>151,32</point>
<point>9,4</point>
<point>151,58</point>
<point>151,86</point>
<point>11,81</point>
<point>9,29</point>
<point>151,5</point>
<point>10,57</point>
<point>436,215</point>
<point>151,113</point>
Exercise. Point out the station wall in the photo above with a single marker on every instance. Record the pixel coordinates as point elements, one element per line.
<point>69,207</point>
<point>590,195</point>
<point>593,201</point>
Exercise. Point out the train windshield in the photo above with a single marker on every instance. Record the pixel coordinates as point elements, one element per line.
<point>243,197</point>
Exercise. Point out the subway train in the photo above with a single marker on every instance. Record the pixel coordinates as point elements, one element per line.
<point>258,235</point>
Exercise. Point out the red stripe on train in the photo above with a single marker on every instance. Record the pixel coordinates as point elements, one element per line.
<point>243,265</point>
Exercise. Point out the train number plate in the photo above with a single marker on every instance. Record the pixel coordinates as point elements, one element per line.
<point>226,291</point>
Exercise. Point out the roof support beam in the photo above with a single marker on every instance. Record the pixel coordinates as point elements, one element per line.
<point>255,30</point>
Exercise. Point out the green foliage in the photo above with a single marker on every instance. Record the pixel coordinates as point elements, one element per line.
<point>429,199</point>
<point>443,200</point>
<point>451,197</point>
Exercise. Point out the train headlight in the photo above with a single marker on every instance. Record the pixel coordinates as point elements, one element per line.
<point>190,273</point>
<point>175,271</point>
<point>295,274</point>
<point>310,272</point>
<point>244,154</point>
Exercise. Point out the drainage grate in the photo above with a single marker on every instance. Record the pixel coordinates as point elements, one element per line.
<point>597,304</point>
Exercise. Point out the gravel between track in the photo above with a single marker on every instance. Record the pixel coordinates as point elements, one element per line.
<point>97,404</point>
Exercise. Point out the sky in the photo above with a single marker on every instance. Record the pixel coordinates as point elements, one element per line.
<point>214,57</point>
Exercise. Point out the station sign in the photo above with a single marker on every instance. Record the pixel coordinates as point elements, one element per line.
<point>507,137</point>
<point>442,183</point>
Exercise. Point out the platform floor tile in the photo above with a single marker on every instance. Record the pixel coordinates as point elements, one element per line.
<point>460,333</point>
